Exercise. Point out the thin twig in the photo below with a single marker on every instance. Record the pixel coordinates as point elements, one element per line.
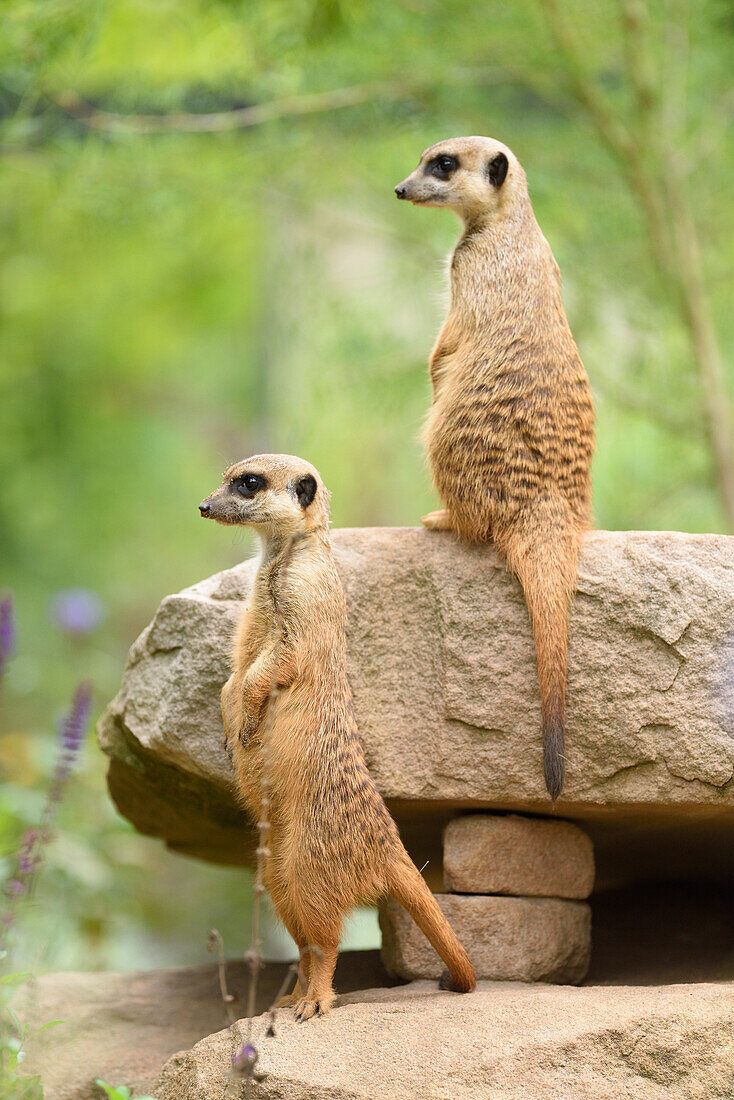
<point>263,826</point>
<point>290,972</point>
<point>246,1056</point>
<point>215,941</point>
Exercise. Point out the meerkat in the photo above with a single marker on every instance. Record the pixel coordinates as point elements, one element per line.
<point>332,842</point>
<point>510,432</point>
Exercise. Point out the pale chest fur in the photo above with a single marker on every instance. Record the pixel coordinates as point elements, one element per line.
<point>257,628</point>
<point>311,721</point>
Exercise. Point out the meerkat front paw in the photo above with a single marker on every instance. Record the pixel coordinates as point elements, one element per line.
<point>229,715</point>
<point>437,521</point>
<point>249,723</point>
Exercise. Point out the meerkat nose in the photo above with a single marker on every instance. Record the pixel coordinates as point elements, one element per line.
<point>205,509</point>
<point>400,191</point>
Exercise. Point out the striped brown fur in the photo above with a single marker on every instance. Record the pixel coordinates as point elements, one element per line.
<point>333,844</point>
<point>510,433</point>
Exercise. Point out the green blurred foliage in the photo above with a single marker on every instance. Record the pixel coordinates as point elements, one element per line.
<point>119,1092</point>
<point>170,302</point>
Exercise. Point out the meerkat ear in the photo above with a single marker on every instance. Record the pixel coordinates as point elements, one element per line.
<point>306,490</point>
<point>497,170</point>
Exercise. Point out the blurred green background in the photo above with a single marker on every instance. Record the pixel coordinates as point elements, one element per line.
<point>184,282</point>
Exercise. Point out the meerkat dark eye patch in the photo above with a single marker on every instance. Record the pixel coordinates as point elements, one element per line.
<point>442,166</point>
<point>248,484</point>
<point>305,490</point>
<point>497,170</point>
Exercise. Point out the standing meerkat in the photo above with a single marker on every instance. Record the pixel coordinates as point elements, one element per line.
<point>332,843</point>
<point>510,433</point>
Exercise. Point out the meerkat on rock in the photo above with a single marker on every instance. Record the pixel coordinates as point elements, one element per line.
<point>332,843</point>
<point>510,432</point>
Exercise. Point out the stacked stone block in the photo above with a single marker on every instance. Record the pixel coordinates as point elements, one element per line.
<point>515,897</point>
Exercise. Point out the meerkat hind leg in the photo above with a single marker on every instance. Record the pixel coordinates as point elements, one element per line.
<point>319,995</point>
<point>300,989</point>
<point>304,964</point>
<point>438,521</point>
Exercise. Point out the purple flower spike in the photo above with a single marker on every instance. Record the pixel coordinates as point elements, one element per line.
<point>71,735</point>
<point>76,611</point>
<point>7,631</point>
<point>30,853</point>
<point>244,1060</point>
<point>75,724</point>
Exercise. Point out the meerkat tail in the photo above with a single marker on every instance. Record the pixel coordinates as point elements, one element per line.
<point>407,886</point>
<point>546,568</point>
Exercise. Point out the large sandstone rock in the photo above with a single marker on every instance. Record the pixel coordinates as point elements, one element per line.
<point>442,664</point>
<point>123,1027</point>
<point>507,939</point>
<point>492,854</point>
<point>505,1041</point>
<point>553,1041</point>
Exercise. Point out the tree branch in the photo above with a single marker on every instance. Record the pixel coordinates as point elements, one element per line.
<point>678,424</point>
<point>619,140</point>
<point>241,118</point>
<point>695,302</point>
<point>635,37</point>
<point>665,203</point>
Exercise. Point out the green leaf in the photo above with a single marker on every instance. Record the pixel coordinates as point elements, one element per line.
<point>51,1023</point>
<point>122,1092</point>
<point>20,977</point>
<point>14,1018</point>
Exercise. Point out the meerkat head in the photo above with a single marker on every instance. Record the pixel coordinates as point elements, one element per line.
<point>473,176</point>
<point>276,494</point>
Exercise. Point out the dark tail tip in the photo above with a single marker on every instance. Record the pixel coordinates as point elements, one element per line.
<point>554,765</point>
<point>448,982</point>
